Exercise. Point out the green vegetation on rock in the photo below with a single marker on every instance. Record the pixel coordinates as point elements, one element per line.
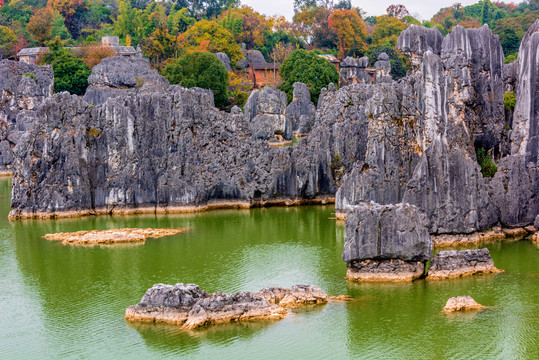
<point>310,69</point>
<point>200,69</point>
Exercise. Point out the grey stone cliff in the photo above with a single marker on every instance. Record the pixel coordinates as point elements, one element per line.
<point>385,232</point>
<point>23,87</point>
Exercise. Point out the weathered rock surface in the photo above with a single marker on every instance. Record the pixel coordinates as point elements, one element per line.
<point>383,69</point>
<point>416,40</point>
<point>224,59</point>
<point>119,75</point>
<point>112,236</point>
<point>23,87</point>
<point>494,234</point>
<point>389,242</point>
<point>453,264</point>
<point>394,270</point>
<point>462,303</point>
<point>187,305</point>
<point>353,71</point>
<point>301,111</point>
<point>165,151</point>
<point>266,109</point>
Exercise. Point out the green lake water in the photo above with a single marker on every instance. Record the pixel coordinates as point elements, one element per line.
<point>68,302</point>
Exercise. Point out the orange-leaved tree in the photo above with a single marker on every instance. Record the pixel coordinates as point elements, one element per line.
<point>350,29</point>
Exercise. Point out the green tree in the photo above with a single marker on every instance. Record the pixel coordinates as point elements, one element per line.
<point>200,69</point>
<point>309,68</point>
<point>8,41</point>
<point>70,72</point>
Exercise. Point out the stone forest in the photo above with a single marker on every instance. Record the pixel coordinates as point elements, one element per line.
<point>434,181</point>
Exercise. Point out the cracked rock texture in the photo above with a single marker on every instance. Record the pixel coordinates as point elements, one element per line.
<point>386,242</point>
<point>118,75</point>
<point>187,305</point>
<point>454,263</point>
<point>266,109</point>
<point>462,303</point>
<point>353,71</point>
<point>301,111</point>
<point>23,87</point>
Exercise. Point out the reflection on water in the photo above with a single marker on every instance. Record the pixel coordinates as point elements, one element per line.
<point>62,301</point>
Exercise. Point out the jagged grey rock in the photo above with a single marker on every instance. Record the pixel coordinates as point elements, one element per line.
<point>118,75</point>
<point>266,109</point>
<point>225,60</point>
<point>516,182</point>
<point>23,87</point>
<point>454,263</point>
<point>187,305</point>
<point>416,40</point>
<point>385,232</point>
<point>301,111</point>
<point>383,69</point>
<point>352,71</point>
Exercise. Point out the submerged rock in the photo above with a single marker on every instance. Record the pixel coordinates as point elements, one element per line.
<point>112,236</point>
<point>453,263</point>
<point>187,305</point>
<point>462,303</point>
<point>386,243</point>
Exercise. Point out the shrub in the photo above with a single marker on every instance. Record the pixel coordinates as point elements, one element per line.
<point>70,72</point>
<point>309,68</point>
<point>200,69</point>
<point>31,76</point>
<point>488,166</point>
<point>509,100</point>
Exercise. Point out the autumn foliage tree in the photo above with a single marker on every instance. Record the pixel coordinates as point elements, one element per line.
<point>8,41</point>
<point>218,39</point>
<point>350,29</point>
<point>387,31</point>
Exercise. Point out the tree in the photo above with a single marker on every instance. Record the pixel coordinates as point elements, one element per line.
<point>509,41</point>
<point>314,22</point>
<point>350,29</point>
<point>218,39</point>
<point>309,68</point>
<point>247,25</point>
<point>200,69</point>
<point>40,25</point>
<point>397,11</point>
<point>387,30</point>
<point>8,41</point>
<point>70,72</point>
<point>72,11</point>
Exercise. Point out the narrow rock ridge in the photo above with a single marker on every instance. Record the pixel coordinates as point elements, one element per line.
<point>190,307</point>
<point>112,236</point>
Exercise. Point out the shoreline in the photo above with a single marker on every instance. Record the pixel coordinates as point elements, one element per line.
<point>186,209</point>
